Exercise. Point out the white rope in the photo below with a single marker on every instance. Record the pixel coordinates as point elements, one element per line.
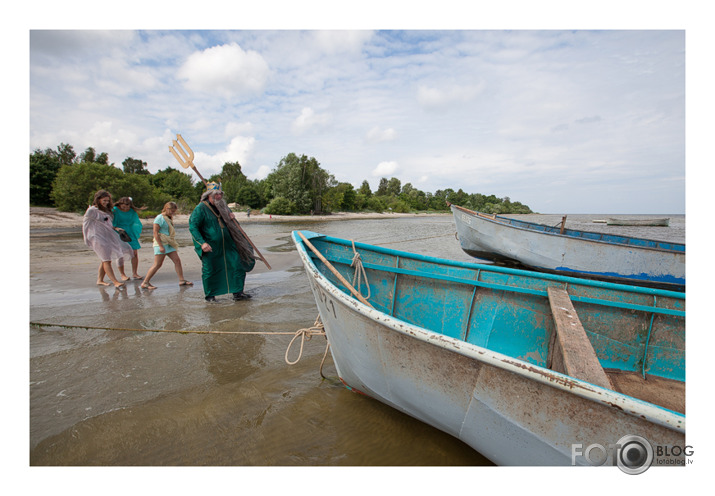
<point>359,272</point>
<point>305,335</point>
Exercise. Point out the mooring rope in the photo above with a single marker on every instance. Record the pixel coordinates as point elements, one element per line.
<point>359,272</point>
<point>305,334</point>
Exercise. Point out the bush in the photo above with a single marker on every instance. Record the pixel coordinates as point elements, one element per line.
<point>280,206</point>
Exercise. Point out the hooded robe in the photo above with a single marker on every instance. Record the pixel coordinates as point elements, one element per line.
<point>222,269</point>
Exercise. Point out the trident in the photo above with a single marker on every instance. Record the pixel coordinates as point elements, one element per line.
<point>186,160</point>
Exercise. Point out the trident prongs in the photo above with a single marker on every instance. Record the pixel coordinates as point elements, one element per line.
<point>186,160</point>
<point>187,147</point>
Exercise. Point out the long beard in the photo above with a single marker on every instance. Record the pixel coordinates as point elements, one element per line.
<point>245,250</point>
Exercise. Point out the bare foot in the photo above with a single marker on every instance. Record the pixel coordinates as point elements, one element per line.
<point>118,285</point>
<point>125,278</point>
<point>146,285</point>
<point>102,283</point>
<point>137,276</point>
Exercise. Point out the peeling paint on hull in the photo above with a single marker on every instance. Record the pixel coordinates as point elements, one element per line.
<point>512,411</point>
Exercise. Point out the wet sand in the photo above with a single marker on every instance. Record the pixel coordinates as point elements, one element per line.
<point>132,397</point>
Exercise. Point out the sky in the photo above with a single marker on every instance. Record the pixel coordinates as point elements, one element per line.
<point>564,121</point>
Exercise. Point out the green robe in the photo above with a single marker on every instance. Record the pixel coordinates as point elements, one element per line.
<point>222,269</point>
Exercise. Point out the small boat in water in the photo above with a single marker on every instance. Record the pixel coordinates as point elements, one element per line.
<point>665,222</point>
<point>602,256</point>
<point>527,368</point>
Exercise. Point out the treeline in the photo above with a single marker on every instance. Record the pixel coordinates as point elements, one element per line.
<point>297,185</point>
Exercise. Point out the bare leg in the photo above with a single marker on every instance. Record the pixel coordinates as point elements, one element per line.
<point>100,276</point>
<point>110,273</point>
<point>120,264</point>
<point>158,262</point>
<point>135,265</point>
<point>174,256</point>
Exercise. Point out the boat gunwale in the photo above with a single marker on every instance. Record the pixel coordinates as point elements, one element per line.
<point>628,404</point>
<point>483,217</point>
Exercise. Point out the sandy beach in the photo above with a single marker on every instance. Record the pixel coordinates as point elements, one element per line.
<point>51,217</point>
<point>118,393</point>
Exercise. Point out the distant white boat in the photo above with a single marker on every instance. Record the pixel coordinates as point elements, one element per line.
<point>664,222</point>
<point>609,257</point>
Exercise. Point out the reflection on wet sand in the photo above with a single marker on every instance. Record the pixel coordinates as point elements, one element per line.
<point>126,397</point>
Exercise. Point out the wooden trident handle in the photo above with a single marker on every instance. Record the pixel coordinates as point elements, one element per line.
<point>186,159</point>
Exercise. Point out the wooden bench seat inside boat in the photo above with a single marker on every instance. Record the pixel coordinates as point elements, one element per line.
<point>570,350</point>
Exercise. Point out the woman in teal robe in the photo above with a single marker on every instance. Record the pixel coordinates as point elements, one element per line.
<point>222,269</point>
<point>126,217</point>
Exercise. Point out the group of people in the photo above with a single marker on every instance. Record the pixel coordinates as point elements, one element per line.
<point>113,232</point>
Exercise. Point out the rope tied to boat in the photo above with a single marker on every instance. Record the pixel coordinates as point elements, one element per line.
<point>359,272</point>
<point>305,334</point>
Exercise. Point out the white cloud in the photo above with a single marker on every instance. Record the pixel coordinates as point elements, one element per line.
<point>384,169</point>
<point>378,135</point>
<point>225,70</point>
<point>308,120</point>
<point>509,113</point>
<point>433,98</point>
<point>261,173</point>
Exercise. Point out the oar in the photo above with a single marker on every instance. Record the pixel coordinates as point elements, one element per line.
<point>186,160</point>
<point>335,272</point>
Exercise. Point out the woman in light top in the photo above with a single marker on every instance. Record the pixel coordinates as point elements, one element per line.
<point>100,235</point>
<point>165,245</point>
<point>126,217</point>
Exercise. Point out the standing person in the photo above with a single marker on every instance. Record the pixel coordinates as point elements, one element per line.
<point>165,245</point>
<point>100,235</point>
<point>223,268</point>
<point>126,217</point>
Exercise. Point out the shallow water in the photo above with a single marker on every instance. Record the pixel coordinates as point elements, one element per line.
<point>126,397</point>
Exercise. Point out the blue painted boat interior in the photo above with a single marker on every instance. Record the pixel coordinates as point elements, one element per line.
<point>507,310</point>
<point>595,236</point>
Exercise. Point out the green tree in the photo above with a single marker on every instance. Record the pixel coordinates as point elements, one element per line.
<point>66,154</point>
<point>44,166</point>
<point>340,198</point>
<point>88,156</point>
<point>176,184</point>
<point>365,189</point>
<point>393,187</point>
<point>280,205</point>
<point>382,187</point>
<point>75,185</point>
<point>232,180</point>
<point>302,181</point>
<point>248,195</point>
<point>134,166</point>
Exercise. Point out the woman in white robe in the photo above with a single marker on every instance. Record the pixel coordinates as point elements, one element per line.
<point>100,235</point>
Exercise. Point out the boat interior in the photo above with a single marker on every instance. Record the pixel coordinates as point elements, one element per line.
<point>624,338</point>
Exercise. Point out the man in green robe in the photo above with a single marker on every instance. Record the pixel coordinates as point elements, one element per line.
<point>223,270</point>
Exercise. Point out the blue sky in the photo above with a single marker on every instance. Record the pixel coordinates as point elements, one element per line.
<point>565,121</point>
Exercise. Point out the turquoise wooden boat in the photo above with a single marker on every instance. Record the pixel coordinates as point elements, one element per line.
<point>527,368</point>
<point>608,257</point>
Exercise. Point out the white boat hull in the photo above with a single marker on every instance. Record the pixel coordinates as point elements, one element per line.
<point>492,240</point>
<point>511,412</point>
